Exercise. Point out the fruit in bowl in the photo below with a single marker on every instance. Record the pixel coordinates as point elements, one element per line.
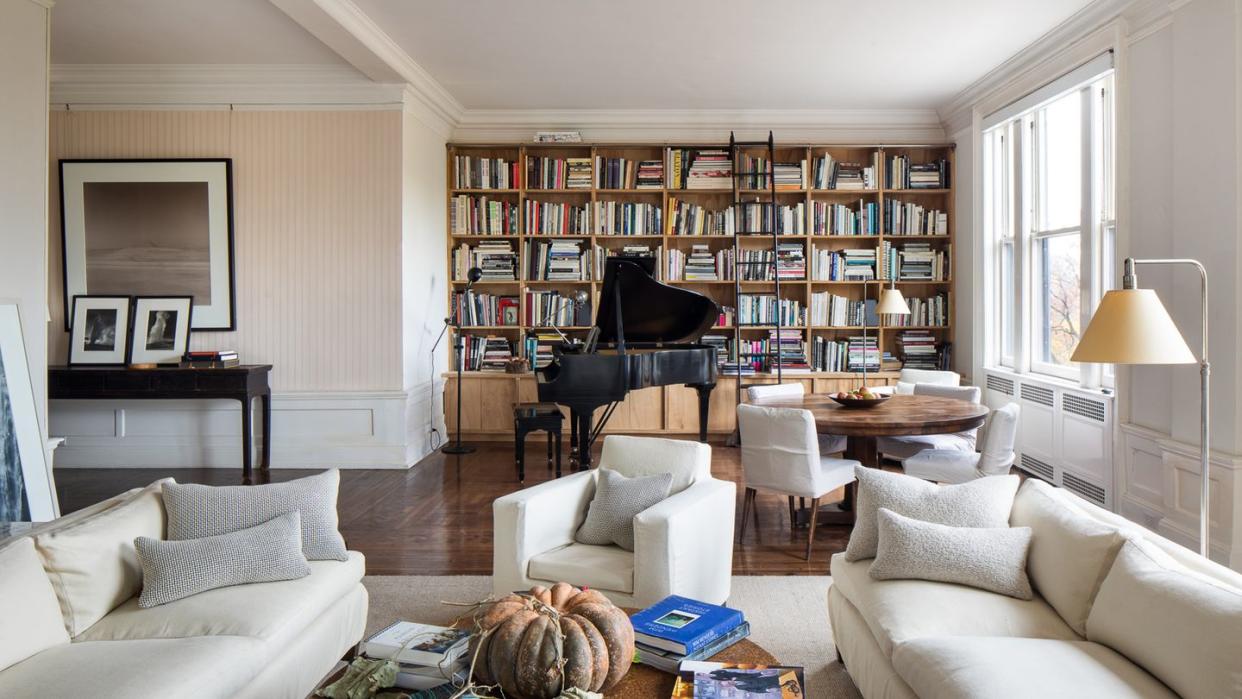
<point>860,393</point>
<point>861,397</point>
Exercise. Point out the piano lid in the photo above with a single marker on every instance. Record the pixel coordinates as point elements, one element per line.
<point>651,311</point>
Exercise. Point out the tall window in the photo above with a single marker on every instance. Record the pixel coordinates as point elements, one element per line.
<point>1049,222</point>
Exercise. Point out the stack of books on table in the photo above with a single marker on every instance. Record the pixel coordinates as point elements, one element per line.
<point>212,359</point>
<point>428,656</point>
<point>677,629</point>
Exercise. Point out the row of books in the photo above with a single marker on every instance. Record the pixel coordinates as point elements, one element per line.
<point>839,219</point>
<point>708,168</point>
<point>917,262</point>
<point>622,173</point>
<point>556,218</point>
<point>686,218</point>
<point>753,172</point>
<point>850,264</point>
<point>561,260</point>
<point>481,215</point>
<point>831,310</point>
<point>829,355</point>
<point>933,310</point>
<point>629,218</point>
<point>558,173</point>
<point>489,353</point>
<point>553,308</point>
<point>900,173</point>
<point>472,308</point>
<point>497,260</point>
<point>830,173</point>
<point>766,309</point>
<point>427,656</point>
<point>908,218</point>
<point>470,172</point>
<point>757,265</point>
<point>757,218</point>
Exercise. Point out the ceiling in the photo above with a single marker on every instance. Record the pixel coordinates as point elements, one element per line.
<point>605,54</point>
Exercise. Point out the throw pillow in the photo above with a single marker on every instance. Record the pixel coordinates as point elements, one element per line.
<point>992,559</point>
<point>610,516</point>
<point>196,511</point>
<point>980,503</point>
<point>173,570</point>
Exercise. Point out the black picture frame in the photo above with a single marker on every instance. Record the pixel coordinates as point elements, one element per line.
<point>129,329</point>
<point>230,245</point>
<point>135,302</point>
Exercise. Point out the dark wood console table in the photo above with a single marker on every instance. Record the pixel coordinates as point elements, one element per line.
<point>242,383</point>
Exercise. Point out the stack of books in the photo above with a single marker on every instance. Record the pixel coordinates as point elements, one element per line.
<point>470,308</point>
<point>629,218</point>
<point>474,215</point>
<point>676,630</point>
<point>485,353</point>
<point>579,173</point>
<point>539,347</point>
<point>754,172</point>
<point>834,174</point>
<point>212,359</point>
<point>863,349</point>
<point>839,219</point>
<point>496,259</point>
<point>428,656</point>
<point>557,218</point>
<point>788,350</point>
<point>558,173</point>
<point>908,218</point>
<point>918,262</point>
<point>562,260</point>
<point>721,343</point>
<point>651,174</point>
<point>701,265</point>
<point>918,349</point>
<point>710,169</point>
<point>705,680</point>
<point>901,174</point>
<point>859,264</point>
<point>692,219</point>
<point>470,172</point>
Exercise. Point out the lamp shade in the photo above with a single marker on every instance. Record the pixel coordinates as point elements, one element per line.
<point>892,303</point>
<point>1131,326</point>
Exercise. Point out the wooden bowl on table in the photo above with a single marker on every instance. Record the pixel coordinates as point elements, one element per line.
<point>859,403</point>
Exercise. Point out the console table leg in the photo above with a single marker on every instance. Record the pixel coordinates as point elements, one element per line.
<point>247,442</point>
<point>266,402</point>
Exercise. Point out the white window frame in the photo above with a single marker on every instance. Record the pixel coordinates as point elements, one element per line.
<point>1010,219</point>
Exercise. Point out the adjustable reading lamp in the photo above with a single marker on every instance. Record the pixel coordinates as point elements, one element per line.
<point>1131,326</point>
<point>459,346</point>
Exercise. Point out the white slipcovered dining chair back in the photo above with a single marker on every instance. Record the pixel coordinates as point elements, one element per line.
<point>971,394</point>
<point>780,450</point>
<point>777,390</point>
<point>999,434</point>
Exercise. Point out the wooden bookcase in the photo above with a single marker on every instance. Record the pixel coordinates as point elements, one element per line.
<point>488,396</point>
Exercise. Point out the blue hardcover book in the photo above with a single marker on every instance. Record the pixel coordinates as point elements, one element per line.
<point>683,625</point>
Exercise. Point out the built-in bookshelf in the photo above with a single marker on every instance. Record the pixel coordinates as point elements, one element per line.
<point>541,218</point>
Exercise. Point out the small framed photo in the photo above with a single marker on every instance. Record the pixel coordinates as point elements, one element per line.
<point>99,331</point>
<point>161,329</point>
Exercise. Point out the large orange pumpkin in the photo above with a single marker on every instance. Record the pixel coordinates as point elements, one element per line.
<point>524,639</point>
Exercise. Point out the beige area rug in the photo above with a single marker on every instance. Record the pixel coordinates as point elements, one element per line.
<point>788,616</point>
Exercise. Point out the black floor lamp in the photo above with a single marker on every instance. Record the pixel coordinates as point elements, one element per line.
<point>454,321</point>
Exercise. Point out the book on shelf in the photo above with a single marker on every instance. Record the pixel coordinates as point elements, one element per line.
<point>765,309</point>
<point>908,218</point>
<point>683,625</point>
<point>629,218</point>
<point>650,174</point>
<point>918,349</point>
<point>829,355</point>
<point>708,680</point>
<point>480,215</point>
<point>901,173</point>
<point>920,262</point>
<point>755,217</point>
<point>622,173</point>
<point>828,218</point>
<point>471,172</point>
<point>721,344</point>
<point>550,307</point>
<point>863,350</point>
<point>670,662</point>
<point>488,353</point>
<point>830,310</point>
<point>411,643</point>
<point>830,173</point>
<point>496,259</point>
<point>473,308</point>
<point>557,218</point>
<point>686,218</point>
<point>753,173</point>
<point>700,168</point>
<point>558,173</point>
<point>930,311</point>
<point>559,260</point>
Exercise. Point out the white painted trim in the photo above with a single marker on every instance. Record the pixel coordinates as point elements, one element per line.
<point>374,432</point>
<point>45,4</point>
<point>183,85</point>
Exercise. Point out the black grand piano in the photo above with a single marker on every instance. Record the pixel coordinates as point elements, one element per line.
<point>648,335</point>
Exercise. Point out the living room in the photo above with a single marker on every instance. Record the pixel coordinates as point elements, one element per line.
<point>443,349</point>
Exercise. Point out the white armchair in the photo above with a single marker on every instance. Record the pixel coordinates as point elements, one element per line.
<point>828,443</point>
<point>909,377</point>
<point>683,545</point>
<point>954,466</point>
<point>904,447</point>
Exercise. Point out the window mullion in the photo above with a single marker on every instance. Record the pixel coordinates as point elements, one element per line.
<point>1089,251</point>
<point>1024,148</point>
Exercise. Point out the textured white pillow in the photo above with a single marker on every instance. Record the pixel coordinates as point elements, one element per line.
<point>610,516</point>
<point>173,570</point>
<point>986,558</point>
<point>981,503</point>
<point>1070,551</point>
<point>30,619</point>
<point>1181,626</point>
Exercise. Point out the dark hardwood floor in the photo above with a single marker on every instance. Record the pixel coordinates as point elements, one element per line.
<point>436,518</point>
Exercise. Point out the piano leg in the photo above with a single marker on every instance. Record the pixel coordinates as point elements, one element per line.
<point>705,396</point>
<point>584,440</point>
<point>573,440</point>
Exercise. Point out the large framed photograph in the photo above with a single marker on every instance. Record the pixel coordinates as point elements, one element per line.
<point>99,331</point>
<point>148,228</point>
<point>161,329</point>
<point>26,491</point>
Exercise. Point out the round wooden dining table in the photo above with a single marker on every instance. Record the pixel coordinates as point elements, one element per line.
<point>898,416</point>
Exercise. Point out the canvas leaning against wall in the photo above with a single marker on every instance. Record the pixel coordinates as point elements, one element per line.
<point>26,492</point>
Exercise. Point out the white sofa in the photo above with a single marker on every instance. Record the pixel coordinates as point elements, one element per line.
<point>1119,612</point>
<point>70,624</point>
<point>683,545</point>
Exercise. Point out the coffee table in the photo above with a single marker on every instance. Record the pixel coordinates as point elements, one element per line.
<point>645,682</point>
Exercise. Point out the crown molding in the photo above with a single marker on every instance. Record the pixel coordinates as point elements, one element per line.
<point>191,86</point>
<point>664,125</point>
<point>956,114</point>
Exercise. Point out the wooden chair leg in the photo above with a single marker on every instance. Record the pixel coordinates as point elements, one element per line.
<point>810,533</point>
<point>793,515</point>
<point>748,501</point>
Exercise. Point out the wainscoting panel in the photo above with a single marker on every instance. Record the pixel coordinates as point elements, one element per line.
<point>309,430</point>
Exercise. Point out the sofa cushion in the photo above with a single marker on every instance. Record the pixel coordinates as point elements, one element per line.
<point>202,668</point>
<point>902,610</point>
<point>1021,668</point>
<point>275,611</point>
<point>196,511</point>
<point>173,570</point>
<point>991,559</point>
<point>93,565</point>
<point>982,503</point>
<point>583,565</point>
<point>1070,552</point>
<point>30,619</point>
<point>1183,627</point>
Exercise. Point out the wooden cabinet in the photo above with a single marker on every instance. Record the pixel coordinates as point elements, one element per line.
<point>488,400</point>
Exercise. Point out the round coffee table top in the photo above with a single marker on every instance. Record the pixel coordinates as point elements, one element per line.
<point>645,682</point>
<point>899,415</point>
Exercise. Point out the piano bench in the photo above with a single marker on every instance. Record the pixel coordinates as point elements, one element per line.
<point>532,417</point>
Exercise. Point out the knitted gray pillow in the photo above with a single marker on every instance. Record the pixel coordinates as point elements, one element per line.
<point>195,511</point>
<point>992,559</point>
<point>173,570</point>
<point>610,516</point>
<point>980,503</point>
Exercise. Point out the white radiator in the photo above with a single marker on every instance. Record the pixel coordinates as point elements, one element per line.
<point>1065,435</point>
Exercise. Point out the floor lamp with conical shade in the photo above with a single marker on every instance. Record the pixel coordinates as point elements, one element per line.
<point>1131,326</point>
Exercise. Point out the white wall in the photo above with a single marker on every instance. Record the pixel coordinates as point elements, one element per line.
<point>23,178</point>
<point>965,281</point>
